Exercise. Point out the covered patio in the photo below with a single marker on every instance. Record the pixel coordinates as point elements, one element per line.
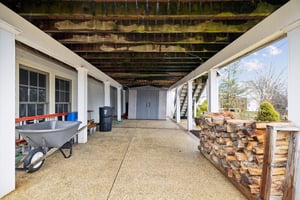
<point>142,159</point>
<point>137,160</point>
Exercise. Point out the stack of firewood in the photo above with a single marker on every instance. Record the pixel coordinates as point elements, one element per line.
<point>236,147</point>
<point>279,162</point>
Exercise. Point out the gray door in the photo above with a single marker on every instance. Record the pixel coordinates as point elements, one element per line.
<point>147,104</point>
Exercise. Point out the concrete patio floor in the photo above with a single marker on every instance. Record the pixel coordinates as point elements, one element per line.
<point>136,160</point>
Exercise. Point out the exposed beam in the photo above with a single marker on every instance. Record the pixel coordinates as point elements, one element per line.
<point>268,30</point>
<point>140,18</point>
<point>143,70</point>
<point>165,1</point>
<point>37,39</point>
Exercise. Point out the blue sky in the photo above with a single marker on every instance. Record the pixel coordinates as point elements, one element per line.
<point>274,55</point>
<point>258,62</point>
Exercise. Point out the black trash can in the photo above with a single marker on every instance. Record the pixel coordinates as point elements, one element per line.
<point>105,118</point>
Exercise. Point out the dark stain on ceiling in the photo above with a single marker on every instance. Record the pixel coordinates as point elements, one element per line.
<point>145,42</point>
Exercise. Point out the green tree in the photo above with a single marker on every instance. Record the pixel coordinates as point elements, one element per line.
<point>230,89</point>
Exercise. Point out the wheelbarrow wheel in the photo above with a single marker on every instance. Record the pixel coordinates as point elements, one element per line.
<point>31,157</point>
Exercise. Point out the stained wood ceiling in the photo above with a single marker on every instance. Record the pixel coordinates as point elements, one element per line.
<point>145,42</point>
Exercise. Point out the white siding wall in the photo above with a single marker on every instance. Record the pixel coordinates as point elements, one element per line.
<point>113,100</point>
<point>132,94</point>
<point>95,98</point>
<point>162,105</point>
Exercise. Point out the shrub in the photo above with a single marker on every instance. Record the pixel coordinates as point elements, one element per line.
<point>202,108</point>
<point>267,112</point>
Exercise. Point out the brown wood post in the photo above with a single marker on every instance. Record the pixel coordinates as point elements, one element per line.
<point>292,170</point>
<point>270,143</point>
<point>291,184</point>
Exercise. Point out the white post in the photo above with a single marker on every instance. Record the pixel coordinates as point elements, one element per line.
<point>190,106</point>
<point>119,108</point>
<point>213,91</point>
<point>82,102</point>
<point>107,93</point>
<point>124,101</point>
<point>195,108</point>
<point>178,104</point>
<point>7,111</point>
<point>51,91</point>
<point>293,92</point>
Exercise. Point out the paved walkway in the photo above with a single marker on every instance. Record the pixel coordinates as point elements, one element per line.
<point>137,160</point>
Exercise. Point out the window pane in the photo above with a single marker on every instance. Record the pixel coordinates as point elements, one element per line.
<point>60,108</point>
<point>67,86</point>
<point>22,110</point>
<point>60,97</point>
<point>56,84</point>
<point>56,96</point>
<point>23,96</point>
<point>66,108</point>
<point>33,79</point>
<point>42,95</point>
<point>67,97</point>
<point>42,80</point>
<point>23,77</point>
<point>33,94</point>
<point>61,85</point>
<point>56,108</point>
<point>31,110</point>
<point>63,97</point>
<point>40,109</point>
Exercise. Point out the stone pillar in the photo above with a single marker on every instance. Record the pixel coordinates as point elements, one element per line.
<point>178,90</point>
<point>107,93</point>
<point>82,89</point>
<point>213,91</point>
<point>119,108</point>
<point>7,111</point>
<point>190,106</point>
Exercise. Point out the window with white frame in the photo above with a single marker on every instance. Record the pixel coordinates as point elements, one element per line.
<point>32,92</point>
<point>62,95</point>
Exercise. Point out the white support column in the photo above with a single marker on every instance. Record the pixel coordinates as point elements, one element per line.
<point>190,106</point>
<point>82,102</point>
<point>195,108</point>
<point>7,111</point>
<point>213,91</point>
<point>178,104</point>
<point>293,92</point>
<point>119,108</point>
<point>124,101</point>
<point>51,91</point>
<point>107,93</point>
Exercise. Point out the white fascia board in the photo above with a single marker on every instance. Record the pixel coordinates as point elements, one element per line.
<point>273,27</point>
<point>37,39</point>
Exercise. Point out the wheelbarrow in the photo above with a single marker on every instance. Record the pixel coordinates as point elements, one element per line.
<point>45,138</point>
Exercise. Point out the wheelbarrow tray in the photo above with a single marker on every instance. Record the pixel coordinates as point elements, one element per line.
<point>49,133</point>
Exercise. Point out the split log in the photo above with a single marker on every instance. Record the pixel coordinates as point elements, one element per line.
<point>240,156</point>
<point>254,171</point>
<point>254,189</point>
<point>258,150</point>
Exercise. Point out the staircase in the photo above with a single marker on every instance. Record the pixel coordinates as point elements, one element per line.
<point>198,87</point>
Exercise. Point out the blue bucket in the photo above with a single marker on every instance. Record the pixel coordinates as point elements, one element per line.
<point>72,116</point>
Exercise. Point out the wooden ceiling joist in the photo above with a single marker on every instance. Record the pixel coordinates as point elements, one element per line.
<point>145,42</point>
